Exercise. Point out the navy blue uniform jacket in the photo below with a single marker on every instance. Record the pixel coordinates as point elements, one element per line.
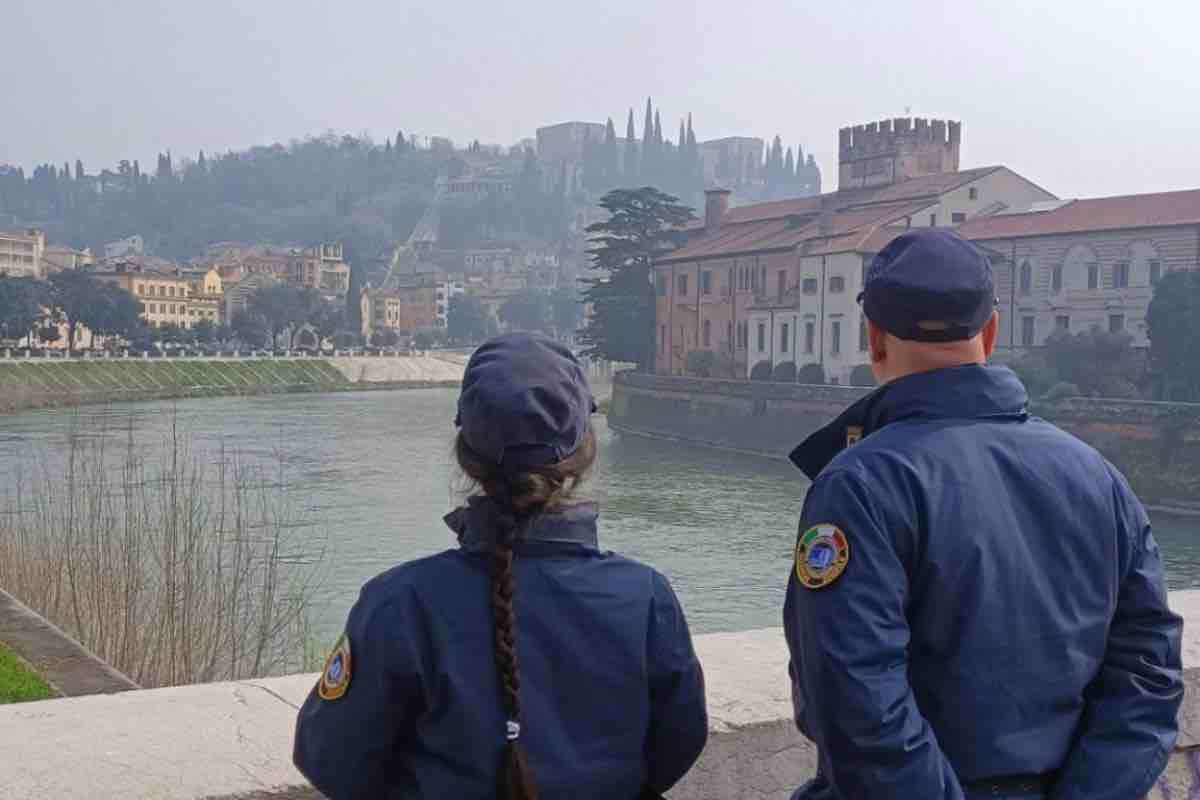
<point>612,693</point>
<point>1002,612</point>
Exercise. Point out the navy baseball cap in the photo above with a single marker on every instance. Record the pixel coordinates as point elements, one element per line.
<point>929,285</point>
<point>525,401</point>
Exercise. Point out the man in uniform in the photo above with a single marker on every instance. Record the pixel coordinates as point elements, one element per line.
<point>977,606</point>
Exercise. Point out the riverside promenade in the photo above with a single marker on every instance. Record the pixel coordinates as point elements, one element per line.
<point>224,741</point>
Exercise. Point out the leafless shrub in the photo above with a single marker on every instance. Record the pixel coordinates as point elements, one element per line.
<point>171,567</point>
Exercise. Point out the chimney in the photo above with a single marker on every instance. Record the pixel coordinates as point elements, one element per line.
<point>716,206</point>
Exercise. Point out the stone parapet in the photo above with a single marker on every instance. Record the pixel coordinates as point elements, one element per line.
<point>233,740</point>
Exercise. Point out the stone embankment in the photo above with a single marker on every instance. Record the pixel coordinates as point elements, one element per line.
<point>57,382</point>
<point>1156,445</point>
<point>233,740</point>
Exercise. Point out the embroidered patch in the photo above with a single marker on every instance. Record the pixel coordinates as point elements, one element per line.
<point>822,553</point>
<point>853,435</point>
<point>335,680</point>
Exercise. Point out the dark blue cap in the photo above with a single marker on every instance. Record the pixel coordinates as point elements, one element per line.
<point>525,401</point>
<point>930,285</point>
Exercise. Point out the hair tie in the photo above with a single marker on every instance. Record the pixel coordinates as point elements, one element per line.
<point>512,730</point>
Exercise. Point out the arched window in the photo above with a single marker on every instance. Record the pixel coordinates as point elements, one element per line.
<point>1026,280</point>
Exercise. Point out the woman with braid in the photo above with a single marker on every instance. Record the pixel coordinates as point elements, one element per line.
<point>527,663</point>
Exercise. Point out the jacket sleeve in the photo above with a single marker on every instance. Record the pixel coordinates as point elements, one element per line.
<point>848,642</point>
<point>678,711</point>
<point>347,747</point>
<point>1129,722</point>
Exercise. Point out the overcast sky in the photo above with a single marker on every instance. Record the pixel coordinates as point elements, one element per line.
<point>1085,97</point>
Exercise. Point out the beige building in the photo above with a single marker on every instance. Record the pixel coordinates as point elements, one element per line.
<point>166,297</point>
<point>776,283</point>
<point>321,268</point>
<point>21,253</point>
<point>1077,264</point>
<point>206,302</point>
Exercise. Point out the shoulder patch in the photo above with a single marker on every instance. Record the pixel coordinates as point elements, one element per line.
<point>822,553</point>
<point>335,679</point>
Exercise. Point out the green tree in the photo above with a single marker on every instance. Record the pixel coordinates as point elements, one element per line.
<point>632,166</point>
<point>328,319</point>
<point>384,337</point>
<point>79,299</point>
<point>465,320</point>
<point>204,331</point>
<point>250,328</point>
<point>642,225</point>
<point>1100,363</point>
<point>566,310</point>
<point>284,309</point>
<point>1173,325</point>
<point>526,311</point>
<point>20,306</point>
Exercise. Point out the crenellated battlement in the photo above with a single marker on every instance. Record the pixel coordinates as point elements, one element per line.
<point>892,150</point>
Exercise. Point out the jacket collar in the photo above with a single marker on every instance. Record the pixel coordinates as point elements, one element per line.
<point>473,524</point>
<point>968,392</point>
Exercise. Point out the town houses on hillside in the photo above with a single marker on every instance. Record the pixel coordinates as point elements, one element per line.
<point>770,288</point>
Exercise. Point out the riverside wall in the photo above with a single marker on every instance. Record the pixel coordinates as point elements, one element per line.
<point>27,383</point>
<point>1157,445</point>
<point>234,740</point>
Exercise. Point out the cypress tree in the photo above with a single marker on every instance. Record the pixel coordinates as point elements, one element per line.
<point>632,167</point>
<point>78,169</point>
<point>789,167</point>
<point>611,162</point>
<point>649,165</point>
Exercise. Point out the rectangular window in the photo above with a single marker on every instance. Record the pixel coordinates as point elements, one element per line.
<point>810,333</point>
<point>809,286</point>
<point>141,290</point>
<point>706,282</point>
<point>958,217</point>
<point>1027,331</point>
<point>728,333</point>
<point>973,193</point>
<point>170,291</point>
<point>837,284</point>
<point>835,345</point>
<point>683,284</point>
<point>762,279</point>
<point>706,333</point>
<point>662,339</point>
<point>1121,275</point>
<point>783,337</point>
<point>1116,323</point>
<point>661,285</point>
<point>1056,278</point>
<point>1155,272</point>
<point>1062,323</point>
<point>1093,276</point>
<point>933,220</point>
<point>862,335</point>
<point>762,337</point>
<point>781,283</point>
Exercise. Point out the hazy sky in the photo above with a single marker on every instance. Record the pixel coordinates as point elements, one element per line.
<point>1086,97</point>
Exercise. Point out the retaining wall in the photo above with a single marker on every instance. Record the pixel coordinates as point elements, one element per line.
<point>227,740</point>
<point>1157,445</point>
<point>59,382</point>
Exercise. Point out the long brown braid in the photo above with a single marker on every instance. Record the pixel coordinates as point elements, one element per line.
<point>518,497</point>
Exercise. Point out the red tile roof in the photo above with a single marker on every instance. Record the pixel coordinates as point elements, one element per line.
<point>836,222</point>
<point>1166,209</point>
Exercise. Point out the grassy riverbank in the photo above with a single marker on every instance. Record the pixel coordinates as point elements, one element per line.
<point>18,683</point>
<point>47,384</point>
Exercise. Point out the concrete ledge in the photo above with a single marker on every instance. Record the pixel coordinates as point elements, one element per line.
<point>232,741</point>
<point>65,664</point>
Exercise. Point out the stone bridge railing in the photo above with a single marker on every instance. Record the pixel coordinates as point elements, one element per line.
<point>233,740</point>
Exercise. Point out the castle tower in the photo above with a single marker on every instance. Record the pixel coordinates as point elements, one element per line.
<point>894,150</point>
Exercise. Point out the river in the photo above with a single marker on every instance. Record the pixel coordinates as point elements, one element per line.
<point>374,471</point>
